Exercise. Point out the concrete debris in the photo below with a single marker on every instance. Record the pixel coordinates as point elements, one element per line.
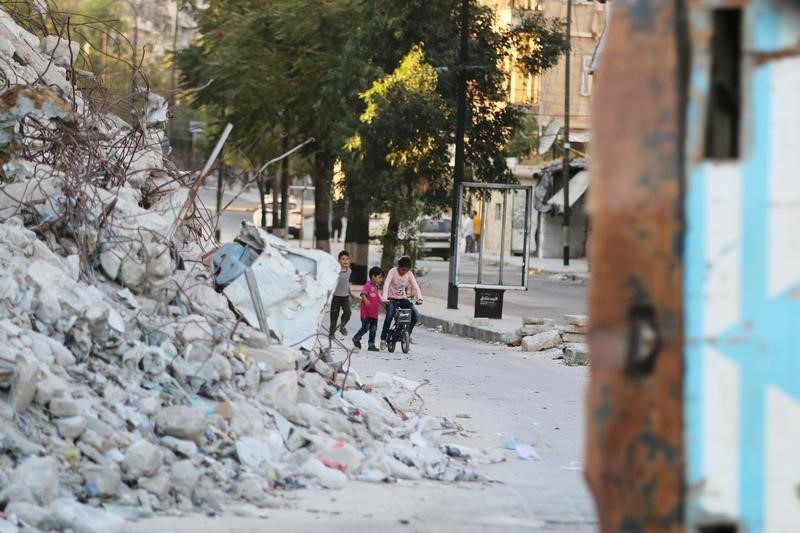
<point>535,321</point>
<point>568,343</point>
<point>541,341</point>
<point>128,375</point>
<point>576,354</point>
<point>577,320</point>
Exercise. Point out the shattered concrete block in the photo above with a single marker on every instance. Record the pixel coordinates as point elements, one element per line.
<point>576,354</point>
<point>259,455</point>
<point>40,475</point>
<point>541,341</point>
<point>141,459</point>
<point>71,427</point>
<point>183,447</point>
<point>30,514</point>
<point>253,489</point>
<point>183,477</point>
<point>536,321</point>
<point>105,478</point>
<point>327,477</point>
<point>149,406</point>
<point>48,388</point>
<point>62,50</point>
<point>194,328</point>
<point>64,407</point>
<point>533,329</point>
<point>111,263</point>
<point>69,514</point>
<point>279,392</point>
<point>575,338</point>
<point>182,422</point>
<point>277,356</point>
<point>25,385</point>
<point>577,320</point>
<point>157,485</point>
<point>93,439</point>
<point>132,274</point>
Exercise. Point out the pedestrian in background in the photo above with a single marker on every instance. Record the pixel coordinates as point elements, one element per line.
<point>370,307</point>
<point>336,220</point>
<point>469,238</point>
<point>341,296</point>
<point>476,231</point>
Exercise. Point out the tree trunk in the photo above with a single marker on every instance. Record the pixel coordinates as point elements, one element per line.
<point>389,239</point>
<point>357,239</point>
<point>322,175</point>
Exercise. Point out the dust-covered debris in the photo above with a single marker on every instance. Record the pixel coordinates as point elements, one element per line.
<point>128,383</point>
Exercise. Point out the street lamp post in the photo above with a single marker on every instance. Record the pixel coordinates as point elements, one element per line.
<point>458,171</point>
<point>565,167</point>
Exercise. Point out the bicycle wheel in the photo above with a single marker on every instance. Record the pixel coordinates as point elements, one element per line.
<point>390,345</point>
<point>405,341</point>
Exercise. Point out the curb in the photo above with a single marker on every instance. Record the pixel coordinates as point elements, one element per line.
<point>464,330</point>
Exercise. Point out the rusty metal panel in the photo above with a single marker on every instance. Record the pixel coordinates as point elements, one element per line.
<point>634,453</point>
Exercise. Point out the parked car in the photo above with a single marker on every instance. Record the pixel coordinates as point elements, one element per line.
<point>433,238</point>
<point>295,221</point>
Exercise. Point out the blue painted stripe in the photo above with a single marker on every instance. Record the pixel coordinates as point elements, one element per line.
<point>754,363</point>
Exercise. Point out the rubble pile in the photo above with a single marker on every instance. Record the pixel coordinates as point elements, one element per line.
<point>560,342</point>
<point>128,383</point>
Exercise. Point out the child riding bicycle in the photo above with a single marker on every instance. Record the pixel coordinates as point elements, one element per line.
<point>397,282</point>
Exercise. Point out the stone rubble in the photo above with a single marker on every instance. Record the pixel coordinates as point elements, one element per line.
<point>129,384</point>
<point>543,336</point>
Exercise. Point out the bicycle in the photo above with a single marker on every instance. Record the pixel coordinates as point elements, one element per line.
<point>399,330</point>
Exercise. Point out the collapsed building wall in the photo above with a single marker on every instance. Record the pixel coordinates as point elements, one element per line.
<point>128,384</point>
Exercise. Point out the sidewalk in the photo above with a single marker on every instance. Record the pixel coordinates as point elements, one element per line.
<point>460,322</point>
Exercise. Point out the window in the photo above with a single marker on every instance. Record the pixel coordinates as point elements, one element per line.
<point>724,98</point>
<point>586,78</point>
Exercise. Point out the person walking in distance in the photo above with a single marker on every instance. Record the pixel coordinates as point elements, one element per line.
<point>398,280</point>
<point>336,220</point>
<point>370,306</point>
<point>469,238</point>
<point>476,231</point>
<point>341,296</point>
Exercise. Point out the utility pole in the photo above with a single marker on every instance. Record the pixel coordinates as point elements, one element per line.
<point>458,171</point>
<point>220,185</point>
<point>565,167</point>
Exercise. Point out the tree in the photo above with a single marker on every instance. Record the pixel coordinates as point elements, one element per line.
<point>397,144</point>
<point>390,33</point>
<point>269,67</point>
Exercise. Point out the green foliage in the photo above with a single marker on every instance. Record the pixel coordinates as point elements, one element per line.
<point>397,144</point>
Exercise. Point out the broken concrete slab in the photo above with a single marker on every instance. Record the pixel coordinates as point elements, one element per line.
<point>577,320</point>
<point>295,285</point>
<point>182,422</point>
<point>576,354</point>
<point>541,341</point>
<point>142,458</point>
<point>40,476</point>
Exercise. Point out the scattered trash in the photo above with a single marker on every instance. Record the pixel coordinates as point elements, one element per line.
<point>528,452</point>
<point>130,385</point>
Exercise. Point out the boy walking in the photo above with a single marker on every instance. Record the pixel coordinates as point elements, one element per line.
<point>341,296</point>
<point>370,306</point>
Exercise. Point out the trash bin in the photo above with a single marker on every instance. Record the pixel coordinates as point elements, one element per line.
<point>489,303</point>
